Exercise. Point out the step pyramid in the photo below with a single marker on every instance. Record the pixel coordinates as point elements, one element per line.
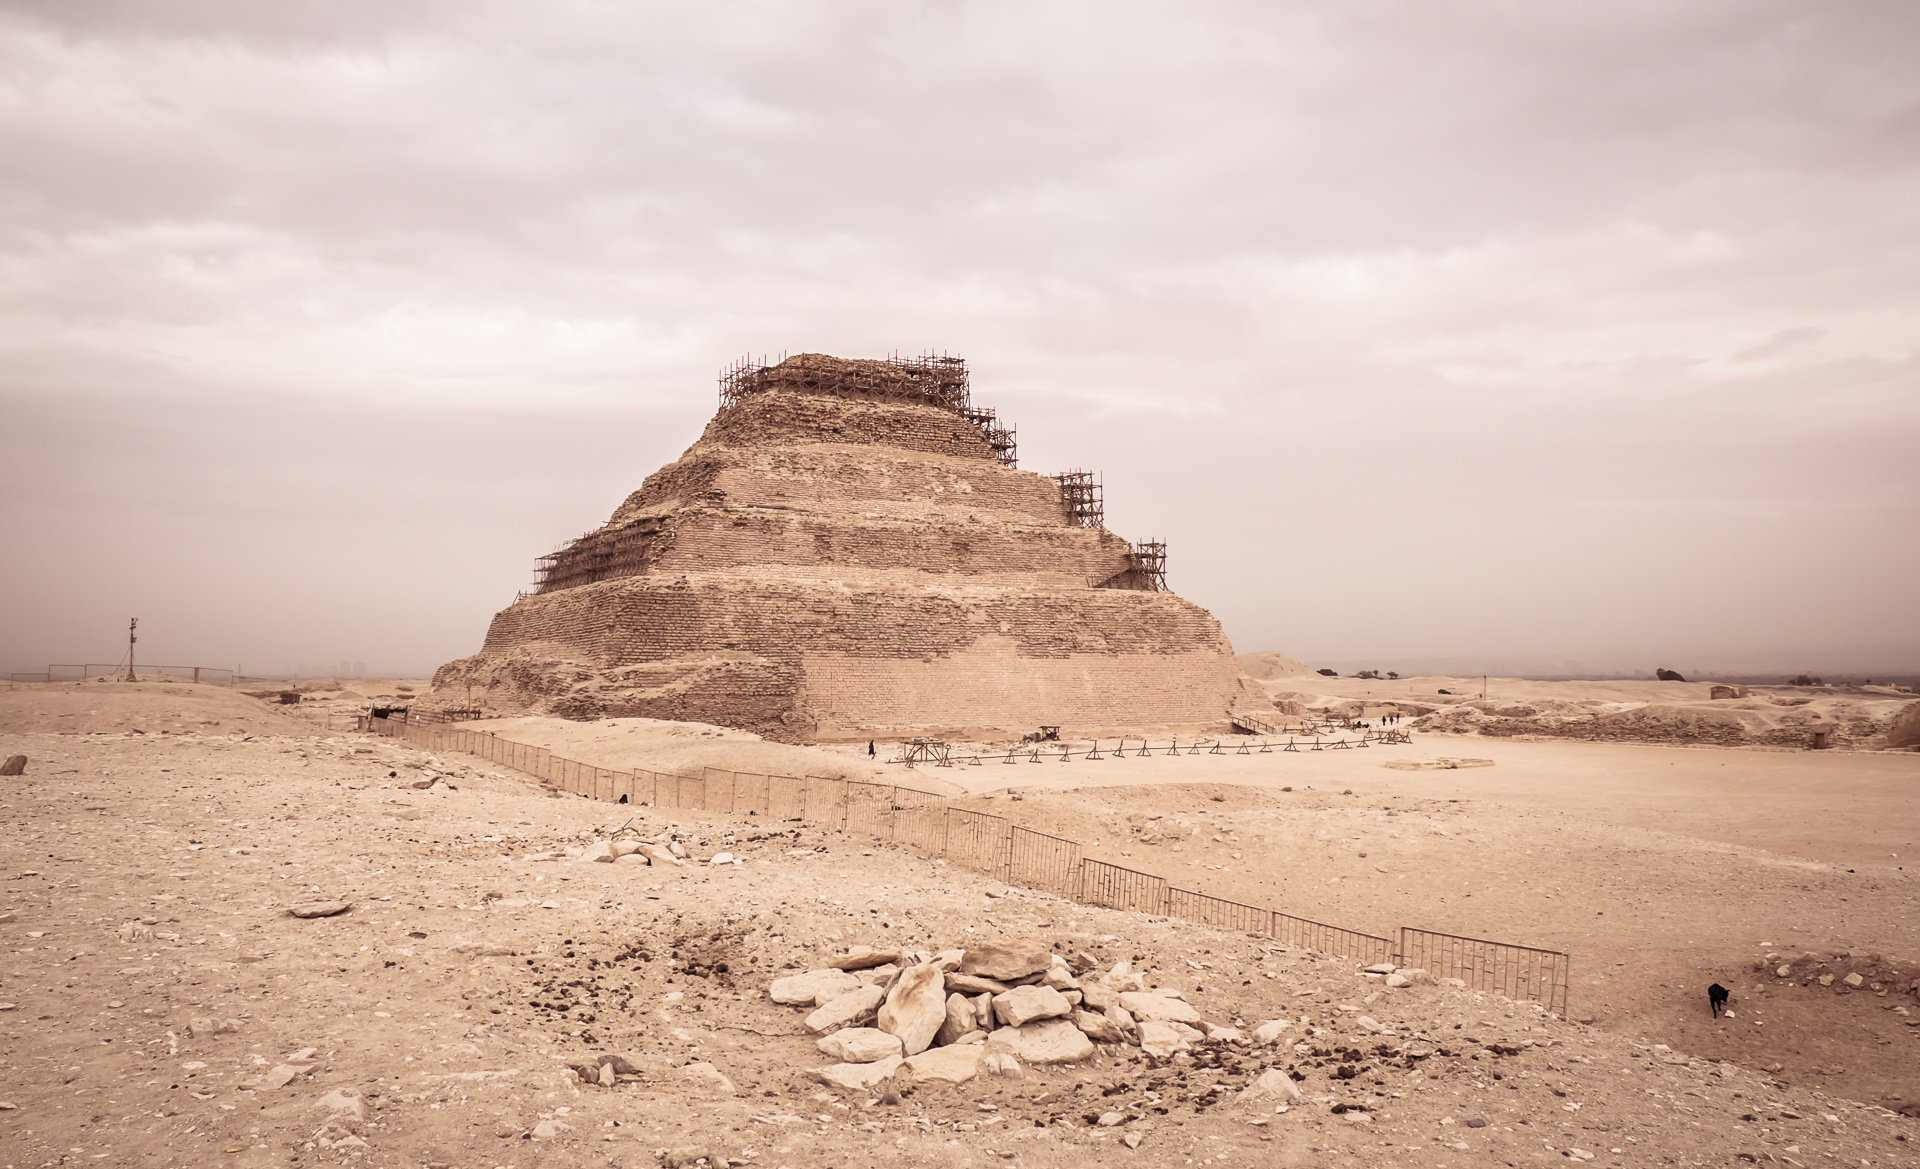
<point>848,551</point>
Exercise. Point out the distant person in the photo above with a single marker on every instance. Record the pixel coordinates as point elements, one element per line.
<point>870,752</point>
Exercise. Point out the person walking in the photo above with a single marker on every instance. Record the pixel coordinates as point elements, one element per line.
<point>870,751</point>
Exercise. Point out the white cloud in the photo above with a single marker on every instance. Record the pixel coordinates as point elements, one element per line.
<point>1626,263</point>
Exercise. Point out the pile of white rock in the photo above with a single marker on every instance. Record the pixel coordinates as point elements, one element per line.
<point>666,848</point>
<point>989,1009</point>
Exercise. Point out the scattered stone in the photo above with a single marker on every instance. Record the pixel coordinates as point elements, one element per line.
<point>881,976</point>
<point>546,1130</point>
<point>1059,975</point>
<point>915,1008</point>
<point>1098,1028</point>
<point>1853,980</point>
<point>1007,960</point>
<point>1024,1004</point>
<point>600,852</point>
<point>860,1045</point>
<point>812,989</point>
<point>605,1070</point>
<point>1271,1031</point>
<point>1477,1122</point>
<point>1399,981</point>
<point>206,1028</point>
<point>960,1020</point>
<point>1000,1063</point>
<point>339,1101</point>
<point>950,1065</point>
<point>1161,1041</point>
<point>319,908</point>
<point>1380,968</point>
<point>1219,1034</point>
<point>1131,1140</point>
<point>1153,1006</point>
<point>863,958</point>
<point>1112,1119</point>
<point>1272,1085</point>
<point>1368,1023</point>
<point>659,855</point>
<point>983,1012</point>
<point>481,950</point>
<point>857,1077</point>
<point>853,1007</point>
<point>1098,996</point>
<point>974,984</point>
<point>720,858</point>
<point>1043,1042</point>
<point>274,1078</point>
<point>710,1076</point>
<point>15,765</point>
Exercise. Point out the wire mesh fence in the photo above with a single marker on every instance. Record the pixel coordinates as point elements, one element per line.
<point>927,823</point>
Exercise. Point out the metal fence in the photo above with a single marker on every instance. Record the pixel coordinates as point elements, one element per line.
<point>1518,972</point>
<point>217,675</point>
<point>1318,935</point>
<point>927,823</point>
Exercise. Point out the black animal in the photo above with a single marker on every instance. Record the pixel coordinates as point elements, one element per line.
<point>1716,999</point>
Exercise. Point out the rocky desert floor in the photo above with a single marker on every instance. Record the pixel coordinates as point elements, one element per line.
<point>163,1007</point>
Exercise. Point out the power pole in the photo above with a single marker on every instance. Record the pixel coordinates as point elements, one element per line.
<point>131,626</point>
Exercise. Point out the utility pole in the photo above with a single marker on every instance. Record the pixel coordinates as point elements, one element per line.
<point>131,626</point>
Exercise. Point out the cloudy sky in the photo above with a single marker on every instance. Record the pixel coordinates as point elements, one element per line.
<point>1467,333</point>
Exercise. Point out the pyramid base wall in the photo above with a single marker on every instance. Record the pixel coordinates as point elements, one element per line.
<point>796,660</point>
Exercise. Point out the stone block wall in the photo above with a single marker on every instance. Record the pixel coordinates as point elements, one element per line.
<point>783,418</point>
<point>879,659</point>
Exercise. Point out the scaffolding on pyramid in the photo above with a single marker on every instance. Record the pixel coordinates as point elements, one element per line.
<point>935,379</point>
<point>1081,497</point>
<point>1150,560</point>
<point>999,435</point>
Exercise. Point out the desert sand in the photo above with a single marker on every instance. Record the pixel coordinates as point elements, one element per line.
<point>161,1002</point>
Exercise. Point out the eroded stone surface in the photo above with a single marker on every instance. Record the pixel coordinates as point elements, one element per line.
<point>812,989</point>
<point>915,1008</point>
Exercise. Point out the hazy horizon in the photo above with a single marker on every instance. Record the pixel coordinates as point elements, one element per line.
<point>1422,332</point>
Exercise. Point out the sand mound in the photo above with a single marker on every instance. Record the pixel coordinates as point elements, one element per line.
<point>1270,664</point>
<point>684,748</point>
<point>1906,728</point>
<point>104,705</point>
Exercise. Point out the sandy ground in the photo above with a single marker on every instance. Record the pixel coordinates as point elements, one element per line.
<point>1660,869</point>
<point>147,878</point>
